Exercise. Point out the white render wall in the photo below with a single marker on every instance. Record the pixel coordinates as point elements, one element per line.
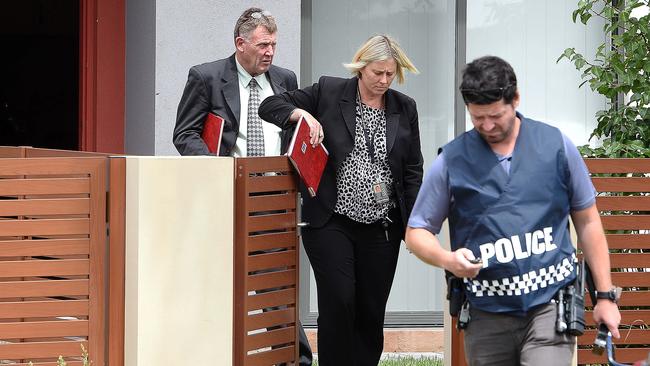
<point>179,302</point>
<point>165,38</point>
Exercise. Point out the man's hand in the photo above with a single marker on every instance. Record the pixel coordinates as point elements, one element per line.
<point>425,245</point>
<point>459,263</point>
<point>316,134</point>
<point>606,312</point>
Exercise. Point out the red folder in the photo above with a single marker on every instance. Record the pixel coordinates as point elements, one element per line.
<point>309,161</point>
<point>212,130</point>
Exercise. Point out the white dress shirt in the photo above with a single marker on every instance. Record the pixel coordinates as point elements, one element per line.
<point>272,132</point>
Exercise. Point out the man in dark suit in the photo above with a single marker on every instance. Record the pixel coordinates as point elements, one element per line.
<point>222,87</point>
<point>232,88</point>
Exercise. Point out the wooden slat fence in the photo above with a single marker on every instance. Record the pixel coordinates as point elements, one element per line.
<point>623,187</point>
<point>266,263</point>
<point>56,210</point>
<point>53,231</point>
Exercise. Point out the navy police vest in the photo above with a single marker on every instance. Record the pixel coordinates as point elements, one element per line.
<point>516,223</point>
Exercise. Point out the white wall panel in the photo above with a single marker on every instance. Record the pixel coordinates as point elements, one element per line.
<point>179,260</point>
<point>531,35</point>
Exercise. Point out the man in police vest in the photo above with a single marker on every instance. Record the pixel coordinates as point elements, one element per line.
<point>508,187</point>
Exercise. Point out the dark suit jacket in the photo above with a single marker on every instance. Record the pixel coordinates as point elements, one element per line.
<point>214,87</point>
<point>332,101</point>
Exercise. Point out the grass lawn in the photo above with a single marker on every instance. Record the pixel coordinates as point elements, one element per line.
<point>406,361</point>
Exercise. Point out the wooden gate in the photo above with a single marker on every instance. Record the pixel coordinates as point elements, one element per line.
<point>266,262</point>
<point>52,243</point>
<point>623,187</point>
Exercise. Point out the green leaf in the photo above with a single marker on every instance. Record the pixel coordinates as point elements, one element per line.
<point>574,15</point>
<point>638,144</point>
<point>643,113</point>
<point>567,54</point>
<point>635,97</point>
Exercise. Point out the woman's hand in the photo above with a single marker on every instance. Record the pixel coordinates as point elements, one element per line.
<point>316,134</point>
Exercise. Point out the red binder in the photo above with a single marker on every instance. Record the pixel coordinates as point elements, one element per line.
<point>212,130</point>
<point>309,161</point>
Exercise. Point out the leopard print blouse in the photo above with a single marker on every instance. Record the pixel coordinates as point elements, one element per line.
<point>358,172</point>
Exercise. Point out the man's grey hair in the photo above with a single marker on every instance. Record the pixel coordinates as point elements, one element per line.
<point>252,18</point>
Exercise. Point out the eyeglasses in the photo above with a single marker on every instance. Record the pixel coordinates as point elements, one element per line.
<point>247,22</point>
<point>495,94</point>
<point>258,14</point>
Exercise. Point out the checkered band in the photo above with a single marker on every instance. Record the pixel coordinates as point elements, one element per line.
<point>255,133</point>
<point>523,284</point>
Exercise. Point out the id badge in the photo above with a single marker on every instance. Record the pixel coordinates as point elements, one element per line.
<point>380,192</point>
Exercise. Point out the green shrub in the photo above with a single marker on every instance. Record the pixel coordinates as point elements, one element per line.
<point>620,71</point>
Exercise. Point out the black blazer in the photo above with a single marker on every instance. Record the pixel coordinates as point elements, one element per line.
<point>214,87</point>
<point>332,101</point>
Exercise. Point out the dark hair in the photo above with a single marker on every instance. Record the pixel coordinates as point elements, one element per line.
<point>252,18</point>
<point>487,80</point>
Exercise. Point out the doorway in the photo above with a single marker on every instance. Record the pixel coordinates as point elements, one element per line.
<point>39,73</point>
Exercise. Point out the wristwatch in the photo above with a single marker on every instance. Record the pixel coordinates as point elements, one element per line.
<point>612,295</point>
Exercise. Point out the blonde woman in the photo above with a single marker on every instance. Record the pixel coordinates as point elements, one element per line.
<point>358,217</point>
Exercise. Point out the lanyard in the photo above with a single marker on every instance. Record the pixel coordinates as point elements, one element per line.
<point>368,138</point>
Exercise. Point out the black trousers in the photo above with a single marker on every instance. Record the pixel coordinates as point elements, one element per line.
<point>354,266</point>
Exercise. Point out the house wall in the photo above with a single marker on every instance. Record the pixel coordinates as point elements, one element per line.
<point>139,129</point>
